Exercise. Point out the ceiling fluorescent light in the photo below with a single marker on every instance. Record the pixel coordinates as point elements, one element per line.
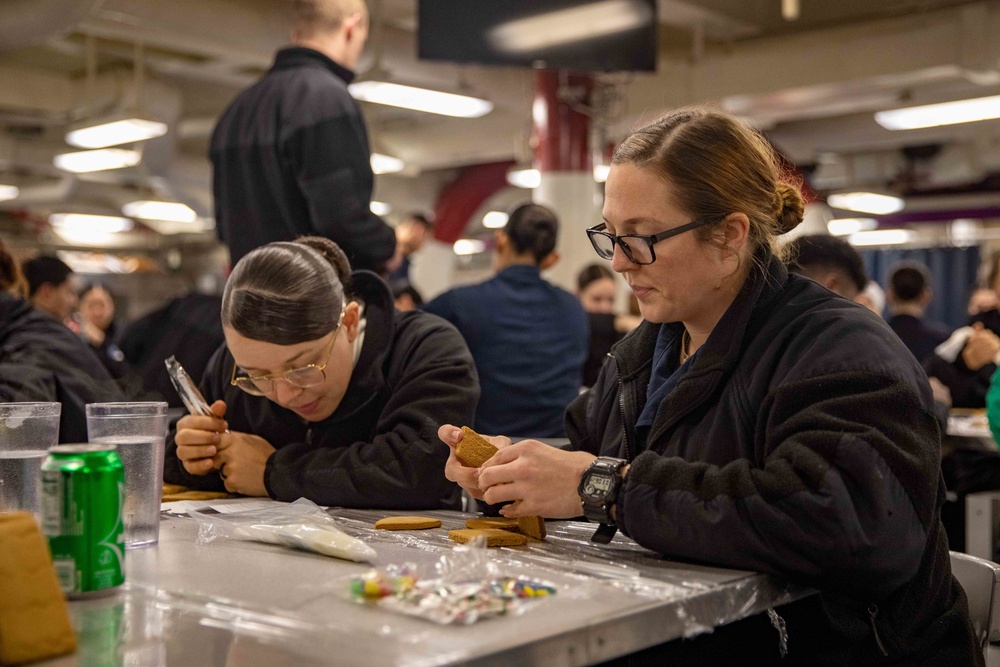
<point>9,192</point>
<point>170,211</point>
<point>866,202</point>
<point>380,208</point>
<point>495,220</point>
<point>945,113</point>
<point>386,164</point>
<point>124,131</point>
<point>524,178</point>
<point>566,26</point>
<point>881,237</point>
<point>420,99</point>
<point>97,262</point>
<point>100,160</point>
<point>846,226</point>
<point>95,224</point>
<point>469,247</point>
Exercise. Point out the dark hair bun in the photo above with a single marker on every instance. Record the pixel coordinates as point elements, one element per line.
<point>332,253</point>
<point>532,228</point>
<point>789,206</point>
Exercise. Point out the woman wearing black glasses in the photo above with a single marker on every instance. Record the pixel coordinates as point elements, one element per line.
<point>323,390</point>
<point>754,420</point>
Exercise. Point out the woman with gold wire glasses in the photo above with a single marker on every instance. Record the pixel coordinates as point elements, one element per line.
<point>323,390</point>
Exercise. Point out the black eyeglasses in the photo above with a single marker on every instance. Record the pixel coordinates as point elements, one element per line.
<point>637,247</point>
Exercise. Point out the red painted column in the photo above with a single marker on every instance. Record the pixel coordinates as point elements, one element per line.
<point>561,135</point>
<point>564,159</point>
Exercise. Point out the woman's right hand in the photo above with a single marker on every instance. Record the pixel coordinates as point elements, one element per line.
<point>455,470</point>
<point>197,438</point>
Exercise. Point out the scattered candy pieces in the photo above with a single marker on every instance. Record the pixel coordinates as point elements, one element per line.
<point>463,602</point>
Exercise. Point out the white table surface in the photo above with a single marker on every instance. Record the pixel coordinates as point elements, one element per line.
<point>249,604</point>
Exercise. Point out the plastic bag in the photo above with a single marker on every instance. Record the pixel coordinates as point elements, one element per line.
<point>302,524</point>
<point>468,588</point>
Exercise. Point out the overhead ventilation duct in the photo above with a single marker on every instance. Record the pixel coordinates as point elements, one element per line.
<point>26,23</point>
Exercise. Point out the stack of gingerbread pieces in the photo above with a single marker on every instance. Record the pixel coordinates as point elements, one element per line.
<point>473,451</point>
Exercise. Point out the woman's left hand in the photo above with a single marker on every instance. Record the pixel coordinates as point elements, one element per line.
<point>541,480</point>
<point>241,460</point>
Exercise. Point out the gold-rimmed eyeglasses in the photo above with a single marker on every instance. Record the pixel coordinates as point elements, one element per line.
<point>304,377</point>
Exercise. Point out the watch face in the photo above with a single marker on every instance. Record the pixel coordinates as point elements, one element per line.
<point>597,485</point>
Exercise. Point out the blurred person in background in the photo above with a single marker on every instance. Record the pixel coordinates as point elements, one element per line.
<point>595,287</point>
<point>405,295</point>
<point>41,360</point>
<point>529,338</point>
<point>754,420</point>
<point>324,390</point>
<point>97,326</point>
<point>872,297</point>
<point>909,295</point>
<point>965,362</point>
<point>984,302</point>
<point>50,286</point>
<point>830,261</point>
<point>291,154</point>
<point>186,327</point>
<point>411,234</point>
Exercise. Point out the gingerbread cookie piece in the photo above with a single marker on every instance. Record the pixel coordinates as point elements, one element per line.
<point>407,523</point>
<point>473,450</point>
<point>494,537</point>
<point>533,526</point>
<point>497,522</point>
<point>34,620</point>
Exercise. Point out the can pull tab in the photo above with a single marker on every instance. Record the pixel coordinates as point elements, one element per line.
<point>873,615</point>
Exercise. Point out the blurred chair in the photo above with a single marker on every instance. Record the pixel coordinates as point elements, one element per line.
<point>981,580</point>
<point>982,524</point>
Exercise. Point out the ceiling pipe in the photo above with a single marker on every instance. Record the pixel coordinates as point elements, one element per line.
<point>30,22</point>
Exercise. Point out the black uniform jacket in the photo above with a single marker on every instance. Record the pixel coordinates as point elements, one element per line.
<point>802,442</point>
<point>380,448</point>
<point>41,360</point>
<point>291,158</point>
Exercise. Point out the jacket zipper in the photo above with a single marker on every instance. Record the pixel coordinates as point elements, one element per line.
<point>872,615</point>
<point>621,408</point>
<point>309,435</point>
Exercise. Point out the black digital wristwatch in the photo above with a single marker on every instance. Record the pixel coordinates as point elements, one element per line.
<point>598,489</point>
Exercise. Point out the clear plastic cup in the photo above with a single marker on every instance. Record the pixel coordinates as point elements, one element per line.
<point>138,430</point>
<point>27,430</point>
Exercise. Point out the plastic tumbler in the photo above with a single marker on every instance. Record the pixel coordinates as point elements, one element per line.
<point>27,430</point>
<point>138,430</point>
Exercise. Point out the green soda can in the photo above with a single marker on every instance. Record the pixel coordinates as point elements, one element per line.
<point>83,494</point>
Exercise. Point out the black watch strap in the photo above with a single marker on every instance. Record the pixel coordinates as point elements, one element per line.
<point>597,504</point>
<point>604,533</point>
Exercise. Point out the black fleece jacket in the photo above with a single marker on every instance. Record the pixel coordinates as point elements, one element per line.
<point>380,448</point>
<point>291,158</point>
<point>42,360</point>
<point>801,443</point>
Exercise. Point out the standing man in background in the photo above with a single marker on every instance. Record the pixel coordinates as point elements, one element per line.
<point>290,154</point>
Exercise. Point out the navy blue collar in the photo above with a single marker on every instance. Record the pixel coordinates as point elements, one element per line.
<point>298,56</point>
<point>520,273</point>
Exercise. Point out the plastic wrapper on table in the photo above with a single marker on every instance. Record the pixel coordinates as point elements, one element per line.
<point>302,525</point>
<point>468,588</point>
<point>685,599</point>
